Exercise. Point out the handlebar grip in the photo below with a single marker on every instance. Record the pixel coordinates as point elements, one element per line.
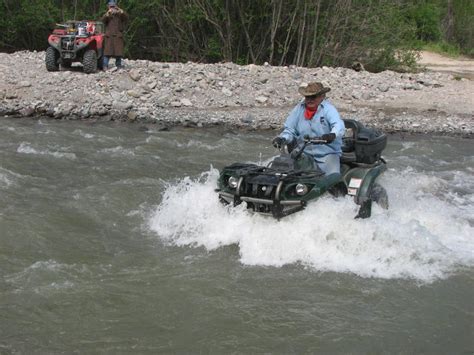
<point>314,140</point>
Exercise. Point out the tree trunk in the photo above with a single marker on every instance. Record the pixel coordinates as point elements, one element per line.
<point>288,35</point>
<point>301,38</point>
<point>276,16</point>
<point>246,32</point>
<point>449,22</point>
<point>314,43</point>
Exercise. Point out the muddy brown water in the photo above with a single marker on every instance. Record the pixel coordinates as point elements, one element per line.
<point>112,241</point>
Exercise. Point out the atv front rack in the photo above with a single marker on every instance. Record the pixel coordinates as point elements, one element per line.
<point>261,188</point>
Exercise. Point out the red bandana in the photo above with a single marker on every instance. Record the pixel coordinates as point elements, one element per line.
<point>308,114</point>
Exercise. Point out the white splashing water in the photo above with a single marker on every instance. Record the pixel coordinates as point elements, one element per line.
<point>8,177</point>
<point>425,235</point>
<point>43,277</point>
<point>25,148</point>
<point>118,151</point>
<point>198,144</point>
<point>5,180</point>
<point>83,134</point>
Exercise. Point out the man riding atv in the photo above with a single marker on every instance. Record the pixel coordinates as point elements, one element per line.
<point>319,154</point>
<point>315,117</point>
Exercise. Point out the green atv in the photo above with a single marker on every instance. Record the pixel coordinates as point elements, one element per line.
<point>292,180</point>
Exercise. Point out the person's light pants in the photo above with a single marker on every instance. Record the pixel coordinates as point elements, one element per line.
<point>330,164</point>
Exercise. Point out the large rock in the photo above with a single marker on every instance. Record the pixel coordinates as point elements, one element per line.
<point>186,102</point>
<point>261,99</point>
<point>134,93</point>
<point>121,106</point>
<point>135,74</point>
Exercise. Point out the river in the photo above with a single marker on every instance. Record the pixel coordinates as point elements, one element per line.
<point>112,241</point>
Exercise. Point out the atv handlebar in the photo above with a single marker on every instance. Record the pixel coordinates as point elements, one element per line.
<point>307,140</point>
<point>314,140</point>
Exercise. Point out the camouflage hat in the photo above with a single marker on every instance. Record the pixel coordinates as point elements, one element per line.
<point>111,3</point>
<point>312,89</point>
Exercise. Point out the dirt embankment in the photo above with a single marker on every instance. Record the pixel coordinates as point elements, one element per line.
<point>439,100</point>
<point>462,67</point>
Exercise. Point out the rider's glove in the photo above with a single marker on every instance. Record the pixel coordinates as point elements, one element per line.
<point>329,137</point>
<point>278,142</point>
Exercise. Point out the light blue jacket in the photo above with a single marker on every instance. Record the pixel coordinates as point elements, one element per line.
<point>325,120</point>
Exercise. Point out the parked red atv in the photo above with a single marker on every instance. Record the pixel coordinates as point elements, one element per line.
<point>76,41</point>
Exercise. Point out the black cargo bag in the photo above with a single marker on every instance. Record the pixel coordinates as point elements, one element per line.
<point>364,144</point>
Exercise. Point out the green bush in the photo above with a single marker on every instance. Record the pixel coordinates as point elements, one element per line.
<point>443,47</point>
<point>426,17</point>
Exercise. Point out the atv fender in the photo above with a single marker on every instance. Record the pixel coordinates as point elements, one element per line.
<point>54,42</point>
<point>367,175</point>
<point>81,45</point>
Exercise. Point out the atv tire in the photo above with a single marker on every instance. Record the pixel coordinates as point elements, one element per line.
<point>378,194</point>
<point>89,61</point>
<point>338,190</point>
<point>51,59</point>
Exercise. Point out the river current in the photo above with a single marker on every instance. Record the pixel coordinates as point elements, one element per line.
<point>112,241</point>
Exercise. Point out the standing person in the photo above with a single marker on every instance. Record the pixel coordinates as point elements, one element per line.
<point>315,116</point>
<point>114,19</point>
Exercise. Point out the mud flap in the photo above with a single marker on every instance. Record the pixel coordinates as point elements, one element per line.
<point>365,210</point>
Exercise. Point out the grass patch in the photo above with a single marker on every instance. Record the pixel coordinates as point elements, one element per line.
<point>444,48</point>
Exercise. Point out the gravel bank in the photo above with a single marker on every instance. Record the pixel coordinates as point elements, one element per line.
<point>248,97</point>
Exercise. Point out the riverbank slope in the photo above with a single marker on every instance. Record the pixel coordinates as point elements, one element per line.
<point>249,97</point>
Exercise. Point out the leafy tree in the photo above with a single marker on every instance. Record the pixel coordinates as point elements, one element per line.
<point>379,33</point>
<point>426,17</point>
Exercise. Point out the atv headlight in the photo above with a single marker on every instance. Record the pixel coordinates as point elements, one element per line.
<point>233,181</point>
<point>301,189</point>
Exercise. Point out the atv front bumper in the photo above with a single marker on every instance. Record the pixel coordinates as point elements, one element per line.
<point>265,206</point>
<point>69,47</point>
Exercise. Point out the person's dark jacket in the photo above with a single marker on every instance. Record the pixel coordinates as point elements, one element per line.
<point>114,27</point>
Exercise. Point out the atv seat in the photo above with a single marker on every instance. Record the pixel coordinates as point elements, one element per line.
<point>348,157</point>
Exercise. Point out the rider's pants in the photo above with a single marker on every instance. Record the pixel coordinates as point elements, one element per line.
<point>330,164</point>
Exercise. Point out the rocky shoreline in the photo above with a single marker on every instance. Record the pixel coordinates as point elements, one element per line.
<point>245,97</point>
